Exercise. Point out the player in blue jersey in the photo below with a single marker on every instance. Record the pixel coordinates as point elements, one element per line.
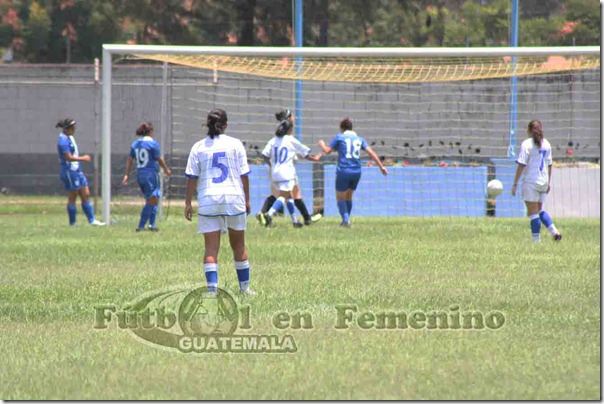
<point>145,152</point>
<point>348,145</point>
<point>218,169</point>
<point>71,173</point>
<point>535,161</point>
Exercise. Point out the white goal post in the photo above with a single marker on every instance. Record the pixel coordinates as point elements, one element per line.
<point>324,63</point>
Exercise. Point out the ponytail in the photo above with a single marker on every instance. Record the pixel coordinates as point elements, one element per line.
<point>283,128</point>
<point>345,124</point>
<point>216,122</point>
<point>144,129</point>
<point>536,131</point>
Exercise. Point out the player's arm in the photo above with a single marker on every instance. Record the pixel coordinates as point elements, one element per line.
<point>245,180</point>
<point>164,166</point>
<point>324,148</point>
<point>313,157</point>
<point>191,186</point>
<point>129,161</point>
<point>70,157</point>
<point>377,160</point>
<point>519,170</point>
<point>549,178</point>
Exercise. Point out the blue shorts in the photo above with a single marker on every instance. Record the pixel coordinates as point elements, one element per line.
<point>73,180</point>
<point>149,184</point>
<point>346,181</point>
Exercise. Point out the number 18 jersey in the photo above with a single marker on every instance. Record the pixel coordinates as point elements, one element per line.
<point>219,164</point>
<point>349,146</point>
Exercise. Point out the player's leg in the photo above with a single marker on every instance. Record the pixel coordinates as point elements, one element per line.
<point>299,202</point>
<point>154,201</point>
<point>547,220</point>
<point>147,189</point>
<point>87,207</point>
<point>71,207</point>
<point>72,193</point>
<point>268,202</point>
<point>352,186</point>
<point>531,200</point>
<point>236,226</point>
<point>210,260</point>
<point>341,197</point>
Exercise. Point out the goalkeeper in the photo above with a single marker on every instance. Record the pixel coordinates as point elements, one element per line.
<point>282,115</point>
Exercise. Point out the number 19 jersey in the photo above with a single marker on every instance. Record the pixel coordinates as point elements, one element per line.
<point>145,151</point>
<point>349,146</point>
<point>218,164</point>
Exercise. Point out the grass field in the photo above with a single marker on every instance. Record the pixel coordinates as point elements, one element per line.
<point>52,276</point>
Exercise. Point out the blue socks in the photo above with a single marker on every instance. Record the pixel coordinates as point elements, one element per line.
<point>277,205</point>
<point>88,211</point>
<point>343,208</point>
<point>243,274</point>
<point>536,228</point>
<point>548,222</point>
<point>291,208</point>
<point>349,204</point>
<point>145,214</point>
<point>71,211</point>
<point>153,216</point>
<point>211,271</point>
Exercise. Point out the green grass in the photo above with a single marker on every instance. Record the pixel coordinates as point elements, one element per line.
<point>52,276</point>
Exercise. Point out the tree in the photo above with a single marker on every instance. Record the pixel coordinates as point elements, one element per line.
<point>36,33</point>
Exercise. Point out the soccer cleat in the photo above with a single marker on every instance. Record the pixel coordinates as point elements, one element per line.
<point>346,225</point>
<point>268,220</point>
<point>247,292</point>
<point>153,229</point>
<point>308,222</point>
<point>138,229</point>
<point>261,218</point>
<point>298,225</point>
<point>97,223</point>
<point>558,237</point>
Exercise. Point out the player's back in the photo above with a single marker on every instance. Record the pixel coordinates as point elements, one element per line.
<point>348,146</point>
<point>537,160</point>
<point>281,151</point>
<point>219,164</point>
<point>146,153</point>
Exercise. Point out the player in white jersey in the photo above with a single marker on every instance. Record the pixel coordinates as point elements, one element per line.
<point>218,169</point>
<point>279,154</point>
<point>286,114</point>
<point>535,161</point>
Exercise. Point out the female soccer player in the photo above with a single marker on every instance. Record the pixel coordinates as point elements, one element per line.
<point>145,151</point>
<point>286,114</point>
<point>279,153</point>
<point>348,171</point>
<point>71,173</point>
<point>218,168</point>
<point>535,160</point>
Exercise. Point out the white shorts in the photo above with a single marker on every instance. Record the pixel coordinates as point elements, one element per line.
<point>210,224</point>
<point>533,192</point>
<point>285,185</point>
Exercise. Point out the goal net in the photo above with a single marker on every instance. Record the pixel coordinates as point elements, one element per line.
<point>444,121</point>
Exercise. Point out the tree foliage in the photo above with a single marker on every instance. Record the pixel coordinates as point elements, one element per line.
<point>59,30</point>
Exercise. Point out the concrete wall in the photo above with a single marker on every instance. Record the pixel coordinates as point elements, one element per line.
<point>461,121</point>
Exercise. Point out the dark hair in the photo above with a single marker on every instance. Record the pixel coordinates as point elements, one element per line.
<point>65,123</point>
<point>144,129</point>
<point>536,131</point>
<point>346,124</point>
<point>283,114</point>
<point>216,122</point>
<point>283,128</point>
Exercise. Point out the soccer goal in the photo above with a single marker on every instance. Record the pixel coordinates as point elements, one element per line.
<point>445,121</point>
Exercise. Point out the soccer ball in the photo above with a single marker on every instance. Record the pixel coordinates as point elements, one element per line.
<point>494,188</point>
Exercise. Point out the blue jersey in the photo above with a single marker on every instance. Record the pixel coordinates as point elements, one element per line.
<point>145,152</point>
<point>67,144</point>
<point>348,145</point>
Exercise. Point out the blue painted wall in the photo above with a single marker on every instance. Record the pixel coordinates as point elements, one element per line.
<point>414,191</point>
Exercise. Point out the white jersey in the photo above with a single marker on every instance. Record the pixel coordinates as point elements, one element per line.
<point>281,151</point>
<point>536,161</point>
<point>219,164</point>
